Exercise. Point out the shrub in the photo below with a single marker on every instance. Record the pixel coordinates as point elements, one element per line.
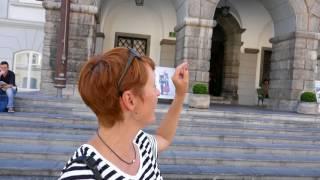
<point>308,97</point>
<point>200,89</point>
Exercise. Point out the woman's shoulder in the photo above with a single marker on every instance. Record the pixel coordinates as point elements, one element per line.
<point>144,137</point>
<point>76,167</point>
<point>146,141</point>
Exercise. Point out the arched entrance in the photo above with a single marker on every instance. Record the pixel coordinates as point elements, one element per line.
<point>225,56</point>
<point>216,61</point>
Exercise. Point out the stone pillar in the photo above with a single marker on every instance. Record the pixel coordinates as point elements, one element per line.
<point>293,68</point>
<point>81,42</point>
<point>194,46</point>
<point>231,70</point>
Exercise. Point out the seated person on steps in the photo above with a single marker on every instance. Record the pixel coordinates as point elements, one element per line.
<point>8,84</point>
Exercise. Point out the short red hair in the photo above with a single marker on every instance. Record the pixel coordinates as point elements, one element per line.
<point>98,82</point>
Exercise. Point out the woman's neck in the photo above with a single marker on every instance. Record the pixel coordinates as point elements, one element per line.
<point>117,146</point>
<point>119,135</point>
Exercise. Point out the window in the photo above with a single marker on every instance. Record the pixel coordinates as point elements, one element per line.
<point>27,67</point>
<point>139,42</point>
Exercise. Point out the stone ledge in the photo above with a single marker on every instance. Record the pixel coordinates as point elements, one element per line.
<point>297,34</point>
<point>167,42</point>
<point>251,51</point>
<point>74,7</point>
<point>195,22</point>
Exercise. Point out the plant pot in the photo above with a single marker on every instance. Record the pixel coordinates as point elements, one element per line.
<point>307,108</point>
<point>201,101</point>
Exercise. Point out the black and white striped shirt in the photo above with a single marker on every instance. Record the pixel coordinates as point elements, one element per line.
<point>149,169</point>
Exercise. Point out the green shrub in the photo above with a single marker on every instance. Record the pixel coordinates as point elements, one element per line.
<point>308,97</point>
<point>200,89</point>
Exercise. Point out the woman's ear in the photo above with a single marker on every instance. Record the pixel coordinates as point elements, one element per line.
<point>128,100</point>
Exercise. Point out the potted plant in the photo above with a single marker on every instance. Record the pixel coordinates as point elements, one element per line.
<point>308,103</point>
<point>199,97</point>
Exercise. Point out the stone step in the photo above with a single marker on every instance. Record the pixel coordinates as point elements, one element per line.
<point>44,101</point>
<point>43,152</point>
<point>243,173</point>
<point>237,112</point>
<point>53,110</point>
<point>48,169</point>
<point>237,159</point>
<point>184,128</point>
<point>219,100</point>
<point>240,147</point>
<point>75,128</point>
<point>180,143</point>
<point>192,120</point>
<point>193,135</point>
<point>200,117</point>
<point>50,118</point>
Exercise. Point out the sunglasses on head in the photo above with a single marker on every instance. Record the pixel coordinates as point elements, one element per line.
<point>132,55</point>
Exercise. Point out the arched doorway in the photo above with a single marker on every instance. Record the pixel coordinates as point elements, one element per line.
<point>225,56</point>
<point>216,61</point>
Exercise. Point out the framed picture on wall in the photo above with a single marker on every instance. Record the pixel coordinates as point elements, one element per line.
<point>164,83</point>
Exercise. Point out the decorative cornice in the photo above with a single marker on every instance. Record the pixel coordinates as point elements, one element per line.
<point>100,34</point>
<point>168,42</point>
<point>29,5</point>
<point>297,34</point>
<point>251,51</point>
<point>74,7</point>
<point>195,22</point>
<point>21,23</point>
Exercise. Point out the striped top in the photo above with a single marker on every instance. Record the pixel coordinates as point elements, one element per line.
<point>149,169</point>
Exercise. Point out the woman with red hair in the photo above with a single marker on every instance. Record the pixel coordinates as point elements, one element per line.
<point>119,87</point>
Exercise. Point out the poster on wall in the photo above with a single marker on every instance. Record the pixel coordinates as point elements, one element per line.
<point>317,90</point>
<point>164,83</point>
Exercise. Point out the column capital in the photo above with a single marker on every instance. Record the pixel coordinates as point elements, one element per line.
<point>188,21</point>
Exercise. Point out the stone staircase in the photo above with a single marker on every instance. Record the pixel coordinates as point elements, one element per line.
<point>223,143</point>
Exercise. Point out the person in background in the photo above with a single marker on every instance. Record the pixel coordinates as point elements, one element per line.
<point>265,87</point>
<point>119,87</point>
<point>8,84</point>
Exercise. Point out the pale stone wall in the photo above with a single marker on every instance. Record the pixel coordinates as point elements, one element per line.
<point>26,10</point>
<point>167,53</point>
<point>18,31</point>
<point>155,19</point>
<point>247,73</point>
<point>4,8</point>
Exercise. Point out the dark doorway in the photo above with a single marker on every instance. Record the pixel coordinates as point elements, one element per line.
<point>217,61</point>
<point>265,64</point>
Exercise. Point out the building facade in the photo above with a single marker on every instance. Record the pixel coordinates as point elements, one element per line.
<point>231,45</point>
<point>21,40</point>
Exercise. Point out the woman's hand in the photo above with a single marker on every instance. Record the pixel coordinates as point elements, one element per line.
<point>180,79</point>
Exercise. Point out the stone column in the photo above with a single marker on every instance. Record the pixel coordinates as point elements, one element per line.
<point>194,46</point>
<point>81,42</point>
<point>293,68</point>
<point>231,70</point>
